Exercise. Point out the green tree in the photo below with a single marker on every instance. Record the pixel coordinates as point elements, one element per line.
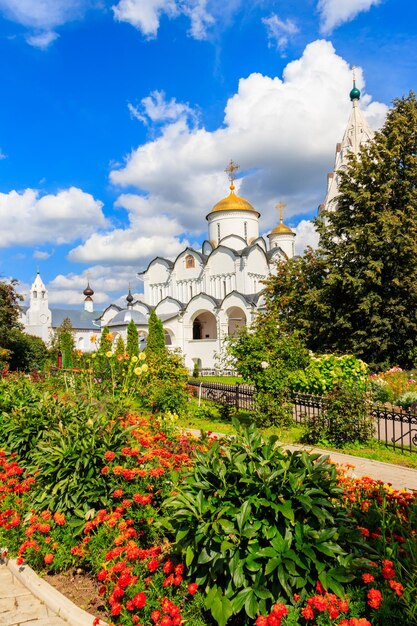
<point>291,296</point>
<point>9,310</point>
<point>155,342</point>
<point>367,303</point>
<point>132,344</point>
<point>66,342</point>
<point>120,346</point>
<point>27,352</point>
<point>106,341</point>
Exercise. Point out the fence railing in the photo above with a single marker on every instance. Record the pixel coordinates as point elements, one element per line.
<point>394,426</point>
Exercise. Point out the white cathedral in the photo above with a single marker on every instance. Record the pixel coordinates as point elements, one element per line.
<point>201,297</point>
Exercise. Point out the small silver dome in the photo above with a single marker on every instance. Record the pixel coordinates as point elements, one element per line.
<point>122,318</point>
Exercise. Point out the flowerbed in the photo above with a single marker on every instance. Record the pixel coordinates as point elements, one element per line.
<point>288,540</point>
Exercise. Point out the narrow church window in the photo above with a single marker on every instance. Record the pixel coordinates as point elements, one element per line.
<point>245,226</point>
<point>218,232</point>
<point>189,261</point>
<point>191,291</point>
<point>224,289</point>
<point>160,293</point>
<point>43,295</point>
<point>196,329</point>
<point>35,294</point>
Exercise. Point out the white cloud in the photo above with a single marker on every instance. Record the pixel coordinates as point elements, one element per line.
<point>26,218</point>
<point>306,236</point>
<point>282,132</point>
<point>333,13</point>
<point>42,40</point>
<point>41,255</point>
<point>2,155</point>
<point>144,14</point>
<point>42,14</point>
<point>109,285</point>
<point>157,109</point>
<point>279,31</point>
<point>200,17</point>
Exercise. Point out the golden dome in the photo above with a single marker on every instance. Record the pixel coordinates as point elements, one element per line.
<point>232,202</point>
<point>281,229</point>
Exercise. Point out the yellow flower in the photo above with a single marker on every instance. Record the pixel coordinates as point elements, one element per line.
<point>109,336</point>
<point>134,359</point>
<point>93,356</point>
<point>109,353</point>
<point>145,367</point>
<point>138,371</point>
<point>142,356</point>
<point>93,338</point>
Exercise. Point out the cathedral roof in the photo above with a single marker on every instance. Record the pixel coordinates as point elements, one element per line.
<point>281,229</point>
<point>232,202</point>
<point>80,319</point>
<point>122,318</point>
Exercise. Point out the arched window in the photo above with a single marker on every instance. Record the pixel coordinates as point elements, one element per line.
<point>189,261</point>
<point>245,226</point>
<point>218,232</point>
<point>35,294</point>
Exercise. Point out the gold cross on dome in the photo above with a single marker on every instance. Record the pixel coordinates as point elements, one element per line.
<point>231,169</point>
<point>281,205</point>
<point>354,73</point>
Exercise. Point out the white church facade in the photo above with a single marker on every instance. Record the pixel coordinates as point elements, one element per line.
<point>201,297</point>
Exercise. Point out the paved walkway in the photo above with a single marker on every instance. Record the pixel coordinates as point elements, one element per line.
<point>19,607</point>
<point>396,475</point>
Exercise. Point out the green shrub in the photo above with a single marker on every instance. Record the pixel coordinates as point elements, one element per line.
<point>166,384</point>
<point>328,371</point>
<point>267,359</point>
<point>408,399</point>
<point>27,352</point>
<point>256,523</point>
<point>68,461</point>
<point>344,420</point>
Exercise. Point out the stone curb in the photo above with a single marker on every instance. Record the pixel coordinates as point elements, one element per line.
<point>53,599</point>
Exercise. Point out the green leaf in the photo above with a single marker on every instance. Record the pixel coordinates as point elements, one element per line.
<point>251,605</point>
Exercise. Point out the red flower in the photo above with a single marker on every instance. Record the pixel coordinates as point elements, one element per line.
<point>109,455</point>
<point>368,578</point>
<point>139,600</point>
<point>155,615</point>
<point>48,558</point>
<point>374,598</point>
<point>192,588</point>
<point>59,518</point>
<point>388,569</point>
<point>153,565</point>
<point>261,621</point>
<point>279,610</point>
<point>307,612</point>
<point>397,587</point>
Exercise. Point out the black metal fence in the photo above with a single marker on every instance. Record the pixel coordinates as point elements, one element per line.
<point>239,396</point>
<point>394,427</point>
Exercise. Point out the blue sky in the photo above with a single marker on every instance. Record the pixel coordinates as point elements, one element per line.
<point>118,118</point>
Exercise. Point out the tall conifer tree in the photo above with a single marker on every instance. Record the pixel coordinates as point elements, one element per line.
<point>106,340</point>
<point>155,342</point>
<point>368,301</point>
<point>132,344</point>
